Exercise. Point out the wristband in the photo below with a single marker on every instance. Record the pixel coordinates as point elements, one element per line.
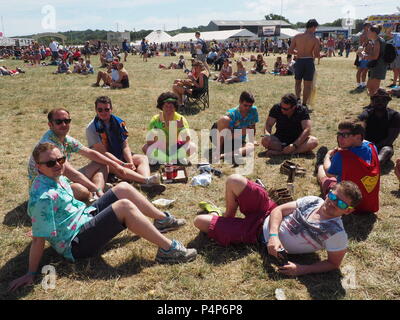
<point>295,145</point>
<point>99,190</point>
<point>273,235</point>
<point>31,273</point>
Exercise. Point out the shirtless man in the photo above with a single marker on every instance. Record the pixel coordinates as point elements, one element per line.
<point>306,47</point>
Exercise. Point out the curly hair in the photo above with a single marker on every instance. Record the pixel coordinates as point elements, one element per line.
<point>170,96</point>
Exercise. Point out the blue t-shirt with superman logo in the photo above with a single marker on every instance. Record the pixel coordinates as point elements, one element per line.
<point>364,152</point>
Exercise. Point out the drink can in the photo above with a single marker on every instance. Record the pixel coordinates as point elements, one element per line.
<point>169,171</point>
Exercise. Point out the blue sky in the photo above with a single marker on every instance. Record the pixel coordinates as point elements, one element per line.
<point>27,18</point>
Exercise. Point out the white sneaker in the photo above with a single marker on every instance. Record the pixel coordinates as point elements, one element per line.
<point>154,179</point>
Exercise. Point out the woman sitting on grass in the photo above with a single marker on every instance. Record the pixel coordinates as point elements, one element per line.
<point>87,68</point>
<point>226,71</point>
<point>63,67</point>
<point>240,75</point>
<point>123,80</point>
<point>77,231</point>
<point>180,65</point>
<point>260,65</point>
<point>157,147</point>
<point>278,65</point>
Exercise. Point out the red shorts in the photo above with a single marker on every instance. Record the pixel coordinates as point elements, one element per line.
<point>255,204</point>
<point>327,185</point>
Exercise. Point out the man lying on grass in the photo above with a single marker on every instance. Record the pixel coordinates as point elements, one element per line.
<point>78,231</point>
<point>303,226</point>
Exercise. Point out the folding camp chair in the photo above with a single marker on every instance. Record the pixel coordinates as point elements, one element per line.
<point>202,100</point>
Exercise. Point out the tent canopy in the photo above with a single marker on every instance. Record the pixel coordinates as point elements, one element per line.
<point>215,35</point>
<point>287,33</point>
<point>158,36</point>
<point>6,42</point>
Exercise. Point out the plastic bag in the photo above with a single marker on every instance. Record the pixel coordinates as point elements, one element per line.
<point>203,180</point>
<point>162,203</point>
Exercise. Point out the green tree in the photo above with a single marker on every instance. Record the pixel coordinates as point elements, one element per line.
<point>273,16</point>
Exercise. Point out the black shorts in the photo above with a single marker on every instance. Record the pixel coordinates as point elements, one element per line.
<point>96,233</point>
<point>304,69</point>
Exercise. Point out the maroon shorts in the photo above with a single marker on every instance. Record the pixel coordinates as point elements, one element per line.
<point>255,204</point>
<point>327,185</point>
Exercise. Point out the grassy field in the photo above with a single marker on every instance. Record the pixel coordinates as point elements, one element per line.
<point>126,268</point>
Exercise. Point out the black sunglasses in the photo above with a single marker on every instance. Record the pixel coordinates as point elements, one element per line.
<point>59,121</point>
<point>286,109</point>
<point>52,163</point>
<point>343,134</point>
<point>105,109</point>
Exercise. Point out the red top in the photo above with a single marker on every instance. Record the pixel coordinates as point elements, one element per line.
<point>366,176</point>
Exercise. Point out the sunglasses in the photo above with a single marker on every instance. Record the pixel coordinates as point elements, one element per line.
<point>286,109</point>
<point>52,163</point>
<point>59,121</point>
<point>343,134</point>
<point>105,109</point>
<point>340,203</point>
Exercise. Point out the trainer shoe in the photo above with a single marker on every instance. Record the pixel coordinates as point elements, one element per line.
<point>321,153</point>
<point>154,179</point>
<point>153,188</point>
<point>209,208</point>
<point>169,223</point>
<point>176,254</point>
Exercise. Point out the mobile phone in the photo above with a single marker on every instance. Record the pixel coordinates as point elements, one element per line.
<point>282,257</point>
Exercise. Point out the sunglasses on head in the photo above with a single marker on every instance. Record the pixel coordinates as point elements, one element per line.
<point>52,163</point>
<point>343,134</point>
<point>340,203</point>
<point>105,109</point>
<point>59,121</point>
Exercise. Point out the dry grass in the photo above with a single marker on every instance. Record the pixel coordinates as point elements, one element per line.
<point>126,268</point>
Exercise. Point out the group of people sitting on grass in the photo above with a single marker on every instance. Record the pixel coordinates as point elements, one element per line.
<point>115,77</point>
<point>78,211</point>
<point>80,66</point>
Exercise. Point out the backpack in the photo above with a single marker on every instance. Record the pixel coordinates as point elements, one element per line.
<point>389,53</point>
<point>204,47</point>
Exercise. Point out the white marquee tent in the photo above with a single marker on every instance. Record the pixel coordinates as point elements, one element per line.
<point>7,42</point>
<point>287,33</point>
<point>216,35</point>
<point>158,36</point>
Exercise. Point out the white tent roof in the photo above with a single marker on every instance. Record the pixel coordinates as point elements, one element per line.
<point>288,33</point>
<point>7,42</point>
<point>215,35</point>
<point>158,36</point>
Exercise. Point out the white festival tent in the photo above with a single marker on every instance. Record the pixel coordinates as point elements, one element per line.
<point>225,35</point>
<point>287,33</point>
<point>156,36</point>
<point>6,42</point>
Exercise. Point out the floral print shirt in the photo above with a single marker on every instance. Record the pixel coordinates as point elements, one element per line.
<point>56,215</point>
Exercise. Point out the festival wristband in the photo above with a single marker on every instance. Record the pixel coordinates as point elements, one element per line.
<point>273,235</point>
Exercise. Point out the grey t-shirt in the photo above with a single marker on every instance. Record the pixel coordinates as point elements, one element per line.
<point>91,135</point>
<point>298,235</point>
